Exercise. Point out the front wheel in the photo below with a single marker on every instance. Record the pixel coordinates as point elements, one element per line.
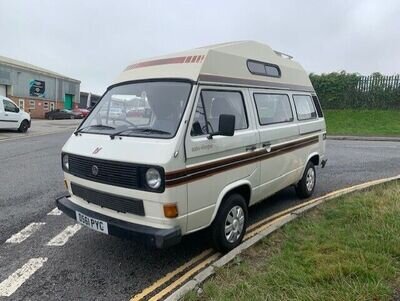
<point>23,128</point>
<point>230,224</point>
<point>306,185</point>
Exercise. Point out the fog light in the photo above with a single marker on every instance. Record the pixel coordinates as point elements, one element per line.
<point>170,210</point>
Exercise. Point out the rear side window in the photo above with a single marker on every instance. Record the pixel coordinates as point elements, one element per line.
<point>304,107</point>
<point>273,108</point>
<point>318,106</point>
<point>214,103</point>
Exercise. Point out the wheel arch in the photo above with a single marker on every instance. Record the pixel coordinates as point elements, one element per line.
<point>242,187</point>
<point>314,157</point>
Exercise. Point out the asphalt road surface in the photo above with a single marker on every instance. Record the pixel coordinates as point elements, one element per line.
<point>93,266</point>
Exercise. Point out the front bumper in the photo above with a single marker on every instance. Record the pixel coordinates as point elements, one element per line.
<point>160,238</point>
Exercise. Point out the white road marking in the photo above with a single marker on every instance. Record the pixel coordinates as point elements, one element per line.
<point>15,280</point>
<point>62,238</point>
<point>24,233</point>
<point>55,211</point>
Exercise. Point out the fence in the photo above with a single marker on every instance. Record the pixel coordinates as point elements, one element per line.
<point>349,90</point>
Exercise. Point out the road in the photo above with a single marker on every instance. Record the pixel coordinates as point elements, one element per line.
<point>93,266</point>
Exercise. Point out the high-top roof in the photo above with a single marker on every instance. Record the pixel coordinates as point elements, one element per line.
<point>19,64</point>
<point>225,63</point>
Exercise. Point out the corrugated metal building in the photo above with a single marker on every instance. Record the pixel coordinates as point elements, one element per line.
<point>37,90</point>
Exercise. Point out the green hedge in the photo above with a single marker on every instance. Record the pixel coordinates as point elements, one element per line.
<point>350,90</point>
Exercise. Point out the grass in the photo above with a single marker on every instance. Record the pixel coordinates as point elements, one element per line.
<point>346,249</point>
<point>363,122</point>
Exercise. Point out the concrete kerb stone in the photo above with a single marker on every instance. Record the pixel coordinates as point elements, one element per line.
<point>365,138</point>
<point>209,271</point>
<point>182,291</point>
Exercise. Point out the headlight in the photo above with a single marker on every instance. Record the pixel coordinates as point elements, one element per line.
<point>153,178</point>
<point>65,162</point>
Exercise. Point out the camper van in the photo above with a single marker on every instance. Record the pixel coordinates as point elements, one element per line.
<point>228,125</point>
<point>12,117</point>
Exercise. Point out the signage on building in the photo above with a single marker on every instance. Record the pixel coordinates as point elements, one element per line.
<point>37,88</point>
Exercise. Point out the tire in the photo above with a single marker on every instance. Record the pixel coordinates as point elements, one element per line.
<point>305,187</point>
<point>233,206</point>
<point>23,127</point>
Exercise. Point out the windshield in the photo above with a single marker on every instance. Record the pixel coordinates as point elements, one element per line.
<point>145,109</point>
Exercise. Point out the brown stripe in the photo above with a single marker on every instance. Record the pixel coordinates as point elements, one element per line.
<point>172,60</point>
<point>194,173</point>
<point>251,82</point>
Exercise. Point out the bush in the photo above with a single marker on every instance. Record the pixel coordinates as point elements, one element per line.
<point>350,90</point>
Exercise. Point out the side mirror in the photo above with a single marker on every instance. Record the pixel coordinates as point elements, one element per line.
<point>226,126</point>
<point>17,110</point>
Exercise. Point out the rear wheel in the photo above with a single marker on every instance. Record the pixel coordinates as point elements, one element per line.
<point>229,225</point>
<point>23,128</point>
<point>306,185</point>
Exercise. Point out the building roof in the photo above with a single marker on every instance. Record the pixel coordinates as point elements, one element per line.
<point>224,63</point>
<point>15,63</point>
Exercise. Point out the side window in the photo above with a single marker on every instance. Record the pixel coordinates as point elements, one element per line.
<point>304,107</point>
<point>9,106</point>
<point>318,106</point>
<point>273,108</point>
<point>214,103</point>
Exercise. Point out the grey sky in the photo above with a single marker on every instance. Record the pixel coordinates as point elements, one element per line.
<point>94,40</point>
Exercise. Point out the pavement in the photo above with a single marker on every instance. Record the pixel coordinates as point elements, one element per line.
<point>62,261</point>
<point>42,127</point>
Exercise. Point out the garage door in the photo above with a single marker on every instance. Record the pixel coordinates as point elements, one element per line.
<point>2,90</point>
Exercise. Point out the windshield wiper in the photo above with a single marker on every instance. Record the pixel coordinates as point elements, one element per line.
<point>142,130</point>
<point>102,126</point>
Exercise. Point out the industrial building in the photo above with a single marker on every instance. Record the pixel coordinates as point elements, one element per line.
<point>37,90</point>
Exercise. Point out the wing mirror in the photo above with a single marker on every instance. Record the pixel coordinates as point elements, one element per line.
<point>226,126</point>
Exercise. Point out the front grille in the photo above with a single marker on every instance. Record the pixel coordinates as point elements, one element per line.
<point>108,172</point>
<point>110,201</point>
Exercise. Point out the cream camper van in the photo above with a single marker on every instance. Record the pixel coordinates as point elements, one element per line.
<point>225,127</point>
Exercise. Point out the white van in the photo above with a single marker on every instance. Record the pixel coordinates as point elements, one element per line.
<point>230,125</point>
<point>12,117</point>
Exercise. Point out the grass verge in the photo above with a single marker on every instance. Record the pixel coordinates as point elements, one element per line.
<point>346,249</point>
<point>363,122</point>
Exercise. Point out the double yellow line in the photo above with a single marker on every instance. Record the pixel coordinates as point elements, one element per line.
<point>190,268</point>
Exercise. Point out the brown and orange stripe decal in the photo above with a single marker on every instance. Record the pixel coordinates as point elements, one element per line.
<point>194,173</point>
<point>191,59</point>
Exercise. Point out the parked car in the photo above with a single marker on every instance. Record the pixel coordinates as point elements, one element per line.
<point>12,117</point>
<point>62,114</point>
<point>81,112</point>
<point>236,125</point>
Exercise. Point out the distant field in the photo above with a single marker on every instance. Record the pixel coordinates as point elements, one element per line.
<point>345,249</point>
<point>363,122</point>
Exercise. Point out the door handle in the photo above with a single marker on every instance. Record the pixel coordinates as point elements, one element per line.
<point>5,114</point>
<point>251,148</point>
<point>267,146</point>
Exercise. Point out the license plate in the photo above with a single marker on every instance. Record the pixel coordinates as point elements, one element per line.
<point>92,223</point>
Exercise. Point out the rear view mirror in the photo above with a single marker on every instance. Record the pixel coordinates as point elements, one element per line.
<point>226,126</point>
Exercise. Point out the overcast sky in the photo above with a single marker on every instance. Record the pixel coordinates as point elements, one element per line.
<point>95,40</point>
